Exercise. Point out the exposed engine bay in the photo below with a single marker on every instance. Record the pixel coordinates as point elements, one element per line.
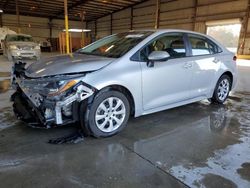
<point>50,100</point>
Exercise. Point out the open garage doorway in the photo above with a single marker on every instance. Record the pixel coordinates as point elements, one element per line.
<point>226,32</point>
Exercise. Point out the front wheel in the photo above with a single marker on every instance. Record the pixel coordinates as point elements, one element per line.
<point>222,89</point>
<point>38,58</point>
<point>10,58</point>
<point>108,114</point>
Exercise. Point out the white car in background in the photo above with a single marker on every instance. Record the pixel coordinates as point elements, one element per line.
<point>18,46</point>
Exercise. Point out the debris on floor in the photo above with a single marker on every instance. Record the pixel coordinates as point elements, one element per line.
<point>73,138</point>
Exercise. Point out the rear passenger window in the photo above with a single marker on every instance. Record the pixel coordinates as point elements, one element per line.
<point>203,46</point>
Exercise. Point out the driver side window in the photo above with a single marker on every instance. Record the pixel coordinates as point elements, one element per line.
<point>172,43</point>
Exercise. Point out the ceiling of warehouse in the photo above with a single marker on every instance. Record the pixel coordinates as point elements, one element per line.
<point>77,9</point>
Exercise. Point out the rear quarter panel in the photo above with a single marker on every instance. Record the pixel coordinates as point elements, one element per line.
<point>227,64</point>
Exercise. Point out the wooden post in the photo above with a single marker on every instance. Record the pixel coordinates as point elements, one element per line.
<point>83,27</point>
<point>157,14</point>
<point>1,20</point>
<point>70,42</point>
<point>60,42</point>
<point>63,42</point>
<point>111,23</point>
<point>195,14</point>
<point>66,25</point>
<point>245,25</point>
<point>18,18</point>
<point>131,18</point>
<point>50,30</point>
<point>82,39</point>
<point>95,29</point>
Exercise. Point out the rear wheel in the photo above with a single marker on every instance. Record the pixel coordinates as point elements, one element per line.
<point>108,114</point>
<point>222,89</point>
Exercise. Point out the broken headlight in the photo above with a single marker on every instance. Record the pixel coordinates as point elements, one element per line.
<point>58,87</point>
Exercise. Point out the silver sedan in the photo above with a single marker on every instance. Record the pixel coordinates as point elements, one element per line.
<point>127,74</point>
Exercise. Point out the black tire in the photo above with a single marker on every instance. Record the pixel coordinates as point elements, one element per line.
<point>216,99</point>
<point>88,123</point>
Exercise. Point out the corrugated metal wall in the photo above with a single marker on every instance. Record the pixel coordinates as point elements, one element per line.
<point>121,21</point>
<point>144,15</point>
<point>103,26</point>
<point>179,14</point>
<point>38,27</point>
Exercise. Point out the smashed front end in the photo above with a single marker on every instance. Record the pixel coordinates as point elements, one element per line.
<point>48,101</point>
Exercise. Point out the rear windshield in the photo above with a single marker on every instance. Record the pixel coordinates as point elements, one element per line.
<point>115,45</point>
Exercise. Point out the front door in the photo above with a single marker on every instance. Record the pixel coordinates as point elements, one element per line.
<point>167,82</point>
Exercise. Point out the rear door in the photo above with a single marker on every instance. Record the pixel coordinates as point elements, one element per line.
<point>206,62</point>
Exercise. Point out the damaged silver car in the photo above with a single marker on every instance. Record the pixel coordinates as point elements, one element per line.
<point>126,74</point>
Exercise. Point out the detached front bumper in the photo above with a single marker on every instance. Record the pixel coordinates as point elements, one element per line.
<point>35,109</point>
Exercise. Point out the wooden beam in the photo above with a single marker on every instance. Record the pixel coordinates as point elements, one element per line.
<point>131,17</point>
<point>1,20</point>
<point>18,17</point>
<point>71,7</point>
<point>111,23</point>
<point>157,14</point>
<point>55,9</point>
<point>95,29</point>
<point>50,29</point>
<point>195,13</point>
<point>123,8</point>
<point>6,4</point>
<point>245,26</point>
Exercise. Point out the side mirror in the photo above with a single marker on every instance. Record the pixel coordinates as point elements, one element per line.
<point>157,56</point>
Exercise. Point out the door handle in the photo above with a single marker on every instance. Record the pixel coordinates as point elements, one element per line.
<point>187,65</point>
<point>216,60</point>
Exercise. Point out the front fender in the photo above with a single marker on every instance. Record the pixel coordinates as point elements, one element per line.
<point>127,76</point>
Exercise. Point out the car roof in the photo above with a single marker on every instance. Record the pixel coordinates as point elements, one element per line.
<point>168,30</point>
<point>162,31</point>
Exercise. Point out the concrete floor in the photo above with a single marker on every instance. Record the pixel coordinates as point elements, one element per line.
<point>197,145</point>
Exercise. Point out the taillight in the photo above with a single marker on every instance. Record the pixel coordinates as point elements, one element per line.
<point>235,58</point>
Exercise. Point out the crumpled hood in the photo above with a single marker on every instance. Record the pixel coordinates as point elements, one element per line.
<point>64,64</point>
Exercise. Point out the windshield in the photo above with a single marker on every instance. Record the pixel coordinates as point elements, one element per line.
<point>115,45</point>
<point>21,38</point>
